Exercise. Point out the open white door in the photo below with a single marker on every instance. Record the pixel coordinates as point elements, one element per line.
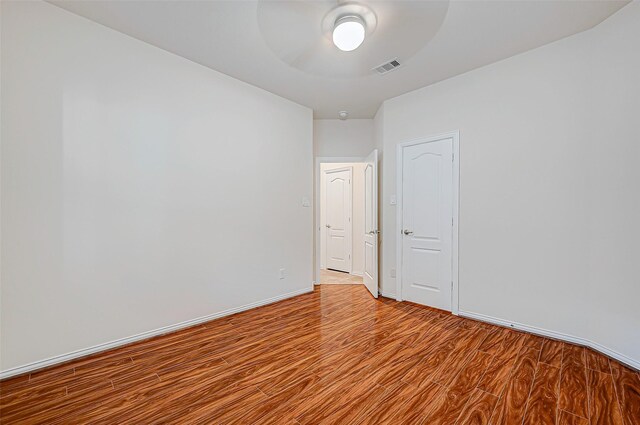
<point>370,275</point>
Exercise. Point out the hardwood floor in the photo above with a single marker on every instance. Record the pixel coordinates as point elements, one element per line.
<point>334,356</point>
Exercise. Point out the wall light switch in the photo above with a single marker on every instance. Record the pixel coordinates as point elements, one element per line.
<point>281,274</point>
<point>305,202</point>
<point>392,200</point>
<point>393,272</point>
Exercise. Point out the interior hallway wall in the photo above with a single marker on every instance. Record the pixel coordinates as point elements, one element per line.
<point>338,138</point>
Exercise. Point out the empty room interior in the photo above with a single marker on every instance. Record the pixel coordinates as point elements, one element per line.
<point>305,212</point>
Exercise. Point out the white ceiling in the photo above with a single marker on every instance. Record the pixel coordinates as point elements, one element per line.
<point>226,36</point>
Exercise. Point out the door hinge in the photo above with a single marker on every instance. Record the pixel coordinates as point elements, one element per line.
<point>451,221</point>
<point>452,156</point>
<point>452,286</point>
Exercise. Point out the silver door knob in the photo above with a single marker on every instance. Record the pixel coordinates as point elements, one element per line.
<point>374,232</point>
<point>407,232</point>
<point>328,226</point>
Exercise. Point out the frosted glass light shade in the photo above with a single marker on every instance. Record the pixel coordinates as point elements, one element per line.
<point>349,33</point>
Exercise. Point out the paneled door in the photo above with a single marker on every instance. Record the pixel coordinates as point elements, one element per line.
<point>370,274</point>
<point>338,219</point>
<point>427,223</point>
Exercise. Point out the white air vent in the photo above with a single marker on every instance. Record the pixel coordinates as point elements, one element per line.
<point>386,67</point>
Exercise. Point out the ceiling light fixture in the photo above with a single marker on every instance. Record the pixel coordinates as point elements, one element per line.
<point>349,32</point>
<point>343,115</point>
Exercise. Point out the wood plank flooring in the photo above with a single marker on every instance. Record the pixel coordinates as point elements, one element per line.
<point>334,356</point>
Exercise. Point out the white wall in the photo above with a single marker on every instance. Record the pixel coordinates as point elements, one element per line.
<point>357,215</point>
<point>614,182</point>
<point>1,187</point>
<point>139,190</point>
<point>549,188</point>
<point>337,138</point>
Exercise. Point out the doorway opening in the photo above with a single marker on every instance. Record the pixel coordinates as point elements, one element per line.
<point>346,222</point>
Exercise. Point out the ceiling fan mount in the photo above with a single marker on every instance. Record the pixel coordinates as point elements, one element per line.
<point>345,10</point>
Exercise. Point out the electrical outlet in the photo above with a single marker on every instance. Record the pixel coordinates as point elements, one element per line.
<point>282,273</point>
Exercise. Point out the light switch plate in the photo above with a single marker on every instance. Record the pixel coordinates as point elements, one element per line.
<point>305,202</point>
<point>392,200</point>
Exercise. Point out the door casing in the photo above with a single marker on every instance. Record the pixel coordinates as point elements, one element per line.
<point>455,137</point>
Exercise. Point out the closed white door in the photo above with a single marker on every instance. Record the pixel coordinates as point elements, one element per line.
<point>370,274</point>
<point>338,219</point>
<point>427,223</point>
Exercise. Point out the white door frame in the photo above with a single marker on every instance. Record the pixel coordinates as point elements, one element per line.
<point>316,219</point>
<point>455,136</point>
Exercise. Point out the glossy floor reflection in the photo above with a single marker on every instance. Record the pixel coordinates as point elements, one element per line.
<point>334,356</point>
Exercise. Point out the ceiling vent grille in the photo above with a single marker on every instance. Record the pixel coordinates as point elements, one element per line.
<point>387,67</point>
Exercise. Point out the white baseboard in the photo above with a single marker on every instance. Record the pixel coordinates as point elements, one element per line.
<point>391,295</point>
<point>357,273</point>
<point>18,370</point>
<point>555,335</point>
